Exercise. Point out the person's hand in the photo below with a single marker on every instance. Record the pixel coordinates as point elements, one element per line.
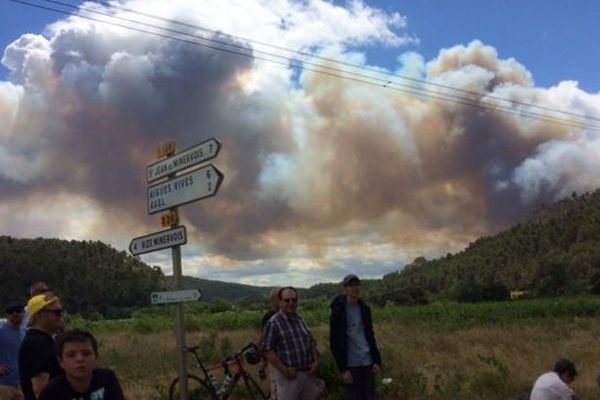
<point>375,369</point>
<point>346,377</point>
<point>4,370</point>
<point>289,373</point>
<point>314,369</point>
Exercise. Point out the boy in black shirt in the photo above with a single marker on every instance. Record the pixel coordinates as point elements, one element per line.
<point>77,353</point>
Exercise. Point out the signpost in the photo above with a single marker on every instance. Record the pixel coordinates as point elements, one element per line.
<point>178,296</point>
<point>204,151</point>
<point>174,191</point>
<point>158,241</point>
<point>193,186</point>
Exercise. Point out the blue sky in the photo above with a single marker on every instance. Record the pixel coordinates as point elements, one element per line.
<point>556,40</point>
<point>323,176</point>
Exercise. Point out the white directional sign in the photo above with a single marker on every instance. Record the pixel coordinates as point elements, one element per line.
<point>196,185</point>
<point>178,296</point>
<point>204,151</point>
<point>158,241</point>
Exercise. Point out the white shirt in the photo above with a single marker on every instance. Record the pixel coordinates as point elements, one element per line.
<point>549,386</point>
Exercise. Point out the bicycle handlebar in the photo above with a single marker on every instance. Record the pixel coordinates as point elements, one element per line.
<point>249,346</point>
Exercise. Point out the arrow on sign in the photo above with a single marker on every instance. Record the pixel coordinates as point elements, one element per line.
<point>204,151</point>
<point>196,185</point>
<point>178,296</point>
<point>158,241</point>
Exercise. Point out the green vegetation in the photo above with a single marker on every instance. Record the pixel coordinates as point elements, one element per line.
<point>491,351</point>
<point>90,277</point>
<point>438,317</point>
<point>556,253</point>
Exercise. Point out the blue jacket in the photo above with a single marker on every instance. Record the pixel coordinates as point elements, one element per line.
<point>338,341</point>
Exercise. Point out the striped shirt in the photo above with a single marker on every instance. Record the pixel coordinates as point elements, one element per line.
<point>290,339</point>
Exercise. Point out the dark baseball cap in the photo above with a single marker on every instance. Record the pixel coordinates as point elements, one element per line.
<point>350,278</point>
<point>14,306</point>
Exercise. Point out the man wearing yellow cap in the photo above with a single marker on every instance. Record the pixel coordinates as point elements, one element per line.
<point>37,357</point>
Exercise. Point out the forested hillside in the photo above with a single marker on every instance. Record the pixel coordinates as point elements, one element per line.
<point>89,276</point>
<point>92,277</point>
<point>556,252</point>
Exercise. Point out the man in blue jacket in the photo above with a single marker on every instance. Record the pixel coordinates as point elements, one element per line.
<point>352,341</point>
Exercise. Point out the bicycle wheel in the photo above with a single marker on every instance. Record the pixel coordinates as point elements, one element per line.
<point>198,389</point>
<point>253,389</point>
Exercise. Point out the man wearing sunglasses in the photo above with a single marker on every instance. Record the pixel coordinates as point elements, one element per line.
<point>37,357</point>
<point>291,350</point>
<point>11,336</point>
<point>38,287</point>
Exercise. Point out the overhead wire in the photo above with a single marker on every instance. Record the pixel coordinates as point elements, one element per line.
<point>337,61</point>
<point>482,101</point>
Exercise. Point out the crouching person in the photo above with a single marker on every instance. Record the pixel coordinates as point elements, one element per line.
<point>77,352</point>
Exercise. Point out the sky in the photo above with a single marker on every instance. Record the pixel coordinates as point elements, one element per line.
<point>356,136</point>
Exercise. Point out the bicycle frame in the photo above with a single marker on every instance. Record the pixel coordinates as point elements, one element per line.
<point>233,362</point>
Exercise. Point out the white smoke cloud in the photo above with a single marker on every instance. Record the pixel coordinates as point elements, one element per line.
<point>323,175</point>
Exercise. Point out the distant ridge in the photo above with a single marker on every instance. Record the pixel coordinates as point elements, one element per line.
<point>211,289</point>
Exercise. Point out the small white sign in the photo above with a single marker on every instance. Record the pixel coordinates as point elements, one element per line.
<point>177,296</point>
<point>158,241</point>
<point>204,151</point>
<point>186,188</point>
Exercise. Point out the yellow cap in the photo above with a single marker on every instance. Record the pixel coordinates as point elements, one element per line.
<point>37,303</point>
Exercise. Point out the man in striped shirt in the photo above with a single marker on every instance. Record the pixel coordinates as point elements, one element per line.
<point>291,350</point>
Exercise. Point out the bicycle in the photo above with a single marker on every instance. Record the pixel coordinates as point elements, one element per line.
<point>209,386</point>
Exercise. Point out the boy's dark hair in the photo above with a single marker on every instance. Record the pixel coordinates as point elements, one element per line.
<point>565,365</point>
<point>280,292</point>
<point>77,336</point>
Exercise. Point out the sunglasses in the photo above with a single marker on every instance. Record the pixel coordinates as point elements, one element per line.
<point>58,312</point>
<point>15,311</point>
<point>290,300</point>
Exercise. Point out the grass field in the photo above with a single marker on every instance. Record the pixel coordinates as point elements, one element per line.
<point>452,351</point>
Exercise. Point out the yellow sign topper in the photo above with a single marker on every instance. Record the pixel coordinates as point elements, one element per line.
<point>169,219</point>
<point>165,149</point>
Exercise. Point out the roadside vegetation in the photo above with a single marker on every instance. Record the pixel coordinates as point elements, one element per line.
<point>489,351</point>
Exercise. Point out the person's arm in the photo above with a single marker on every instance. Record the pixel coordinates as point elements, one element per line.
<point>314,367</point>
<point>375,349</point>
<point>288,372</point>
<point>114,391</point>
<point>38,383</point>
<point>335,326</point>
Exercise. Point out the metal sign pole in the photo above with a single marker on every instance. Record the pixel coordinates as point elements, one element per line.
<point>169,149</point>
<point>183,382</point>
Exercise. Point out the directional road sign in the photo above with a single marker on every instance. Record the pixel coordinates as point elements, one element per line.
<point>196,185</point>
<point>177,296</point>
<point>158,241</point>
<point>204,151</point>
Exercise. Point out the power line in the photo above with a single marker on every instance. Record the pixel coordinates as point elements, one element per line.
<point>286,61</point>
<point>357,66</point>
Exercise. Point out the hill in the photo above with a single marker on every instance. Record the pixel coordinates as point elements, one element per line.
<point>554,253</point>
<point>212,290</point>
<point>92,277</point>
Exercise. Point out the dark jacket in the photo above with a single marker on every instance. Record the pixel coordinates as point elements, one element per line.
<point>338,341</point>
